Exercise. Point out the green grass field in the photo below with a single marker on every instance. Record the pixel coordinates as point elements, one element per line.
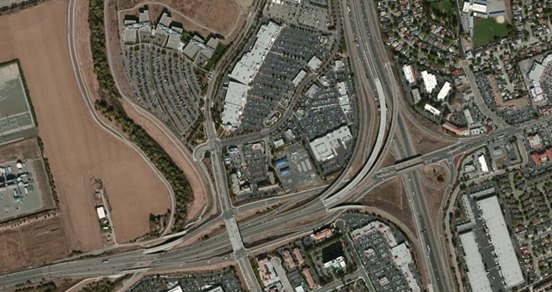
<point>444,5</point>
<point>486,29</point>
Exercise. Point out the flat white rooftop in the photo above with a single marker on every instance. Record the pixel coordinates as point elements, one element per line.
<point>444,91</point>
<point>324,147</point>
<point>507,259</point>
<point>476,271</point>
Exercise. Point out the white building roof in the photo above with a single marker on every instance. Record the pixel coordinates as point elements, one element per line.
<point>468,116</point>
<point>444,91</point>
<point>507,259</point>
<point>176,289</point>
<point>536,72</point>
<point>144,16</point>
<point>300,76</point>
<point>324,147</point>
<point>476,271</point>
<point>430,81</point>
<point>165,19</point>
<point>483,163</point>
<point>234,101</point>
<point>409,73</point>
<point>342,88</point>
<point>403,259</point>
<point>101,212</point>
<point>314,63</point>
<point>249,63</point>
<point>432,110</point>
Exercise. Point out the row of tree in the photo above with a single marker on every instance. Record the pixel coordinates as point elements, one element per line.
<point>110,107</point>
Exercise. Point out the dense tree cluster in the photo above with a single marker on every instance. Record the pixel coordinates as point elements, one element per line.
<point>155,153</point>
<point>97,45</point>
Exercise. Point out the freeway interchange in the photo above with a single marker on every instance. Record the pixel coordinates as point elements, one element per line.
<point>300,213</point>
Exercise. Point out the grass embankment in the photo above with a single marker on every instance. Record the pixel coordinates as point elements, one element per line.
<point>109,106</point>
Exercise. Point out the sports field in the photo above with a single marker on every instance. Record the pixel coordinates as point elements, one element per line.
<point>487,30</point>
<point>15,113</point>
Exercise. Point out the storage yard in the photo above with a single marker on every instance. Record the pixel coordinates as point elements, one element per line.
<point>77,148</point>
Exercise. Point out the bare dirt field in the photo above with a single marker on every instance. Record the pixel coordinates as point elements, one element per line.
<point>423,142</point>
<point>390,197</point>
<point>32,244</point>
<point>160,133</point>
<point>224,17</point>
<point>388,159</point>
<point>76,147</point>
<point>435,174</point>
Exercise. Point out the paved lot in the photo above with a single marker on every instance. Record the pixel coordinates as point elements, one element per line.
<point>227,279</point>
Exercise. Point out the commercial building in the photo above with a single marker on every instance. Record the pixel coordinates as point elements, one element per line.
<point>314,63</point>
<point>176,289</point>
<point>500,238</point>
<point>444,91</point>
<point>409,73</point>
<point>284,171</point>
<point>535,141</point>
<point>432,110</point>
<point>247,66</point>
<point>300,76</point>
<point>234,101</point>
<point>101,212</point>
<point>337,263</point>
<point>537,74</point>
<point>281,162</point>
<point>430,81</point>
<point>324,148</point>
<point>323,233</point>
<point>476,270</point>
<point>483,163</point>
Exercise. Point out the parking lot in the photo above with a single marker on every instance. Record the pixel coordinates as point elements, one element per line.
<point>375,253</point>
<point>165,83</point>
<point>226,279</point>
<point>302,171</point>
<point>272,85</point>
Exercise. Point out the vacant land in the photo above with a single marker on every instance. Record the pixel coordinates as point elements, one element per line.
<point>435,174</point>
<point>390,197</point>
<point>487,30</point>
<point>224,17</point>
<point>424,142</point>
<point>33,243</point>
<point>76,147</point>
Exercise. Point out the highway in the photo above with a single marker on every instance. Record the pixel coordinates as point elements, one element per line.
<point>375,80</point>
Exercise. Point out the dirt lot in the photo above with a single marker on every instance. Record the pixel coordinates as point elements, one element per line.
<point>391,198</point>
<point>76,147</point>
<point>158,131</point>
<point>389,159</point>
<point>224,17</point>
<point>423,142</point>
<point>32,244</point>
<point>435,174</point>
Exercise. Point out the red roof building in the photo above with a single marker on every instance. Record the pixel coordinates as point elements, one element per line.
<point>289,259</point>
<point>298,256</point>
<point>308,276</point>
